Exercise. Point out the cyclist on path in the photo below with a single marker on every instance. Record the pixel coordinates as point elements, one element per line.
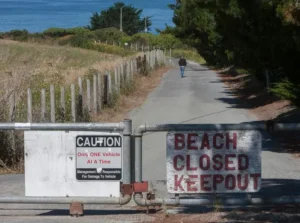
<point>182,63</point>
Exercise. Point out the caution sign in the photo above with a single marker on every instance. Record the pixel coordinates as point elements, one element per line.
<point>214,162</point>
<point>99,157</point>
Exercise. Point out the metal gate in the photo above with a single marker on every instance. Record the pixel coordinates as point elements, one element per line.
<point>133,186</point>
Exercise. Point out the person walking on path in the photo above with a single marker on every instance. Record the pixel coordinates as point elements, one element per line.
<point>182,63</point>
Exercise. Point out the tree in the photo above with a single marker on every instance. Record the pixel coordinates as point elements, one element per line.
<point>132,22</point>
<point>259,35</point>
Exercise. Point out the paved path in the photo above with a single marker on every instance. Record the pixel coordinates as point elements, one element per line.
<point>192,99</point>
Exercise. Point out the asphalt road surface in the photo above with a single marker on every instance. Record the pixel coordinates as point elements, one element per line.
<point>199,97</point>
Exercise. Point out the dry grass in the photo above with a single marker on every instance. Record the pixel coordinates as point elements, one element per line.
<point>31,65</point>
<point>36,66</point>
<point>22,63</point>
<point>26,59</point>
<point>16,169</point>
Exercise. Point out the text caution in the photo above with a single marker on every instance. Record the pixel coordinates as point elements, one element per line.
<point>99,157</point>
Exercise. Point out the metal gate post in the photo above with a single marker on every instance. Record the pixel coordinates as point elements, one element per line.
<point>139,153</point>
<point>127,132</point>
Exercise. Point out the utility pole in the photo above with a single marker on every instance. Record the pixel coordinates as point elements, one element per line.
<point>146,24</point>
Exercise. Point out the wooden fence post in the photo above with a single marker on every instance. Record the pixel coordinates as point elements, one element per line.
<point>80,108</point>
<point>116,80</point>
<point>119,78</point>
<point>127,77</point>
<point>106,89</point>
<point>52,103</point>
<point>95,94</point>
<point>73,102</point>
<point>62,104</point>
<point>99,92</point>
<point>109,87</point>
<point>131,70</point>
<point>123,75</point>
<point>12,107</point>
<point>88,95</point>
<point>29,105</point>
<point>43,105</point>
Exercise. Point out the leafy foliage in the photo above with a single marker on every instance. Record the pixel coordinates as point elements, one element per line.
<point>163,41</point>
<point>109,34</point>
<point>60,32</point>
<point>258,35</point>
<point>132,21</point>
<point>19,35</point>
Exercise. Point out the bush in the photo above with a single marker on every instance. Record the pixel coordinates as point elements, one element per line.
<point>78,31</point>
<point>82,41</point>
<point>55,32</point>
<point>112,50</point>
<point>19,35</point>
<point>109,34</point>
<point>61,32</point>
<point>287,90</point>
<point>163,41</point>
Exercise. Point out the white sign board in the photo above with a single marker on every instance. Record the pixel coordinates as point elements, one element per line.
<point>213,162</point>
<point>53,160</point>
<point>99,157</point>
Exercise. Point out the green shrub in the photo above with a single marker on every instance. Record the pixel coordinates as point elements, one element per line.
<point>82,41</point>
<point>163,41</point>
<point>112,50</point>
<point>19,35</point>
<point>287,90</point>
<point>61,32</point>
<point>78,31</point>
<point>109,34</point>
<point>55,32</point>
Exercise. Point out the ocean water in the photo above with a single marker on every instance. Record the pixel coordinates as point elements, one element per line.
<point>38,15</point>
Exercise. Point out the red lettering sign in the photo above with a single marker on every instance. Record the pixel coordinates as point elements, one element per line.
<point>179,142</point>
<point>213,162</point>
